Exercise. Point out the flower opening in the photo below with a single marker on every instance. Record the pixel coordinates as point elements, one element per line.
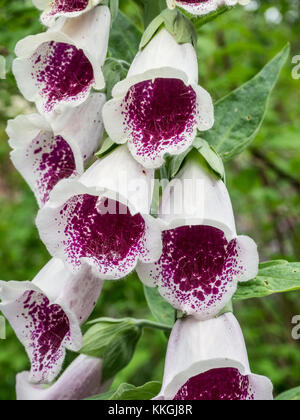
<point>216,384</point>
<point>158,114</point>
<point>61,73</point>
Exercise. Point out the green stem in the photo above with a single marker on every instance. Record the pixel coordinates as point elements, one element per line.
<point>152,9</point>
<point>145,323</point>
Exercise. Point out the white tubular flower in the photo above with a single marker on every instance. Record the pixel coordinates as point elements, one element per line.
<point>53,9</point>
<point>44,152</point>
<point>159,106</point>
<point>203,259</point>
<point>59,67</point>
<point>201,7</point>
<point>82,379</point>
<point>46,314</point>
<point>103,218</point>
<point>208,361</point>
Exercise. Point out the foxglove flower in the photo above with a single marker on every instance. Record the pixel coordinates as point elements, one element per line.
<point>200,7</point>
<point>46,314</point>
<point>53,9</point>
<point>103,218</point>
<point>82,379</point>
<point>207,360</point>
<point>59,67</point>
<point>46,152</point>
<point>203,259</point>
<point>159,106</point>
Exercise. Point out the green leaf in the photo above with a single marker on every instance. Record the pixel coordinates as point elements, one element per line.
<point>239,115</point>
<point>127,392</point>
<point>112,340</point>
<point>2,67</point>
<point>213,159</point>
<point>273,277</point>
<point>152,9</point>
<point>151,30</point>
<point>160,309</point>
<point>291,395</point>
<point>124,39</point>
<point>114,71</point>
<point>107,147</point>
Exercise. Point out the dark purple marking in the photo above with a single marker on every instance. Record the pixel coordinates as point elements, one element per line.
<point>197,266</point>
<point>48,327</point>
<point>61,73</point>
<point>225,384</point>
<point>159,114</point>
<point>52,160</point>
<point>103,230</point>
<point>194,2</point>
<point>68,6</point>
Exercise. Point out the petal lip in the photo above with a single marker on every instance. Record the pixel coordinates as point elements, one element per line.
<point>50,15</point>
<point>200,8</point>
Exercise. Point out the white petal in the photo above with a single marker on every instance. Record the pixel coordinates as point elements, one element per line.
<point>262,387</point>
<point>164,51</point>
<point>205,109</point>
<point>196,347</point>
<point>247,258</point>
<point>129,182</point>
<point>152,242</point>
<point>76,292</point>
<point>82,379</point>
<point>198,197</point>
<point>82,126</point>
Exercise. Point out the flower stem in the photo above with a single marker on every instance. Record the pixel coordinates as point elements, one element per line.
<point>145,323</point>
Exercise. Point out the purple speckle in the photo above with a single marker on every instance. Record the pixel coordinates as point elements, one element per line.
<point>197,267</point>
<point>48,327</point>
<point>68,6</point>
<point>225,384</point>
<point>102,230</point>
<point>52,159</point>
<point>61,73</point>
<point>159,114</point>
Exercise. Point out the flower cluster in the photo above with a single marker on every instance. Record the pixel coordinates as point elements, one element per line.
<point>97,223</point>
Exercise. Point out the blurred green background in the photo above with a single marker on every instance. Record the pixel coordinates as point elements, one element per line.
<point>264,183</point>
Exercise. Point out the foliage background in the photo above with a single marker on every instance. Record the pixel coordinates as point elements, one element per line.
<point>267,205</point>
